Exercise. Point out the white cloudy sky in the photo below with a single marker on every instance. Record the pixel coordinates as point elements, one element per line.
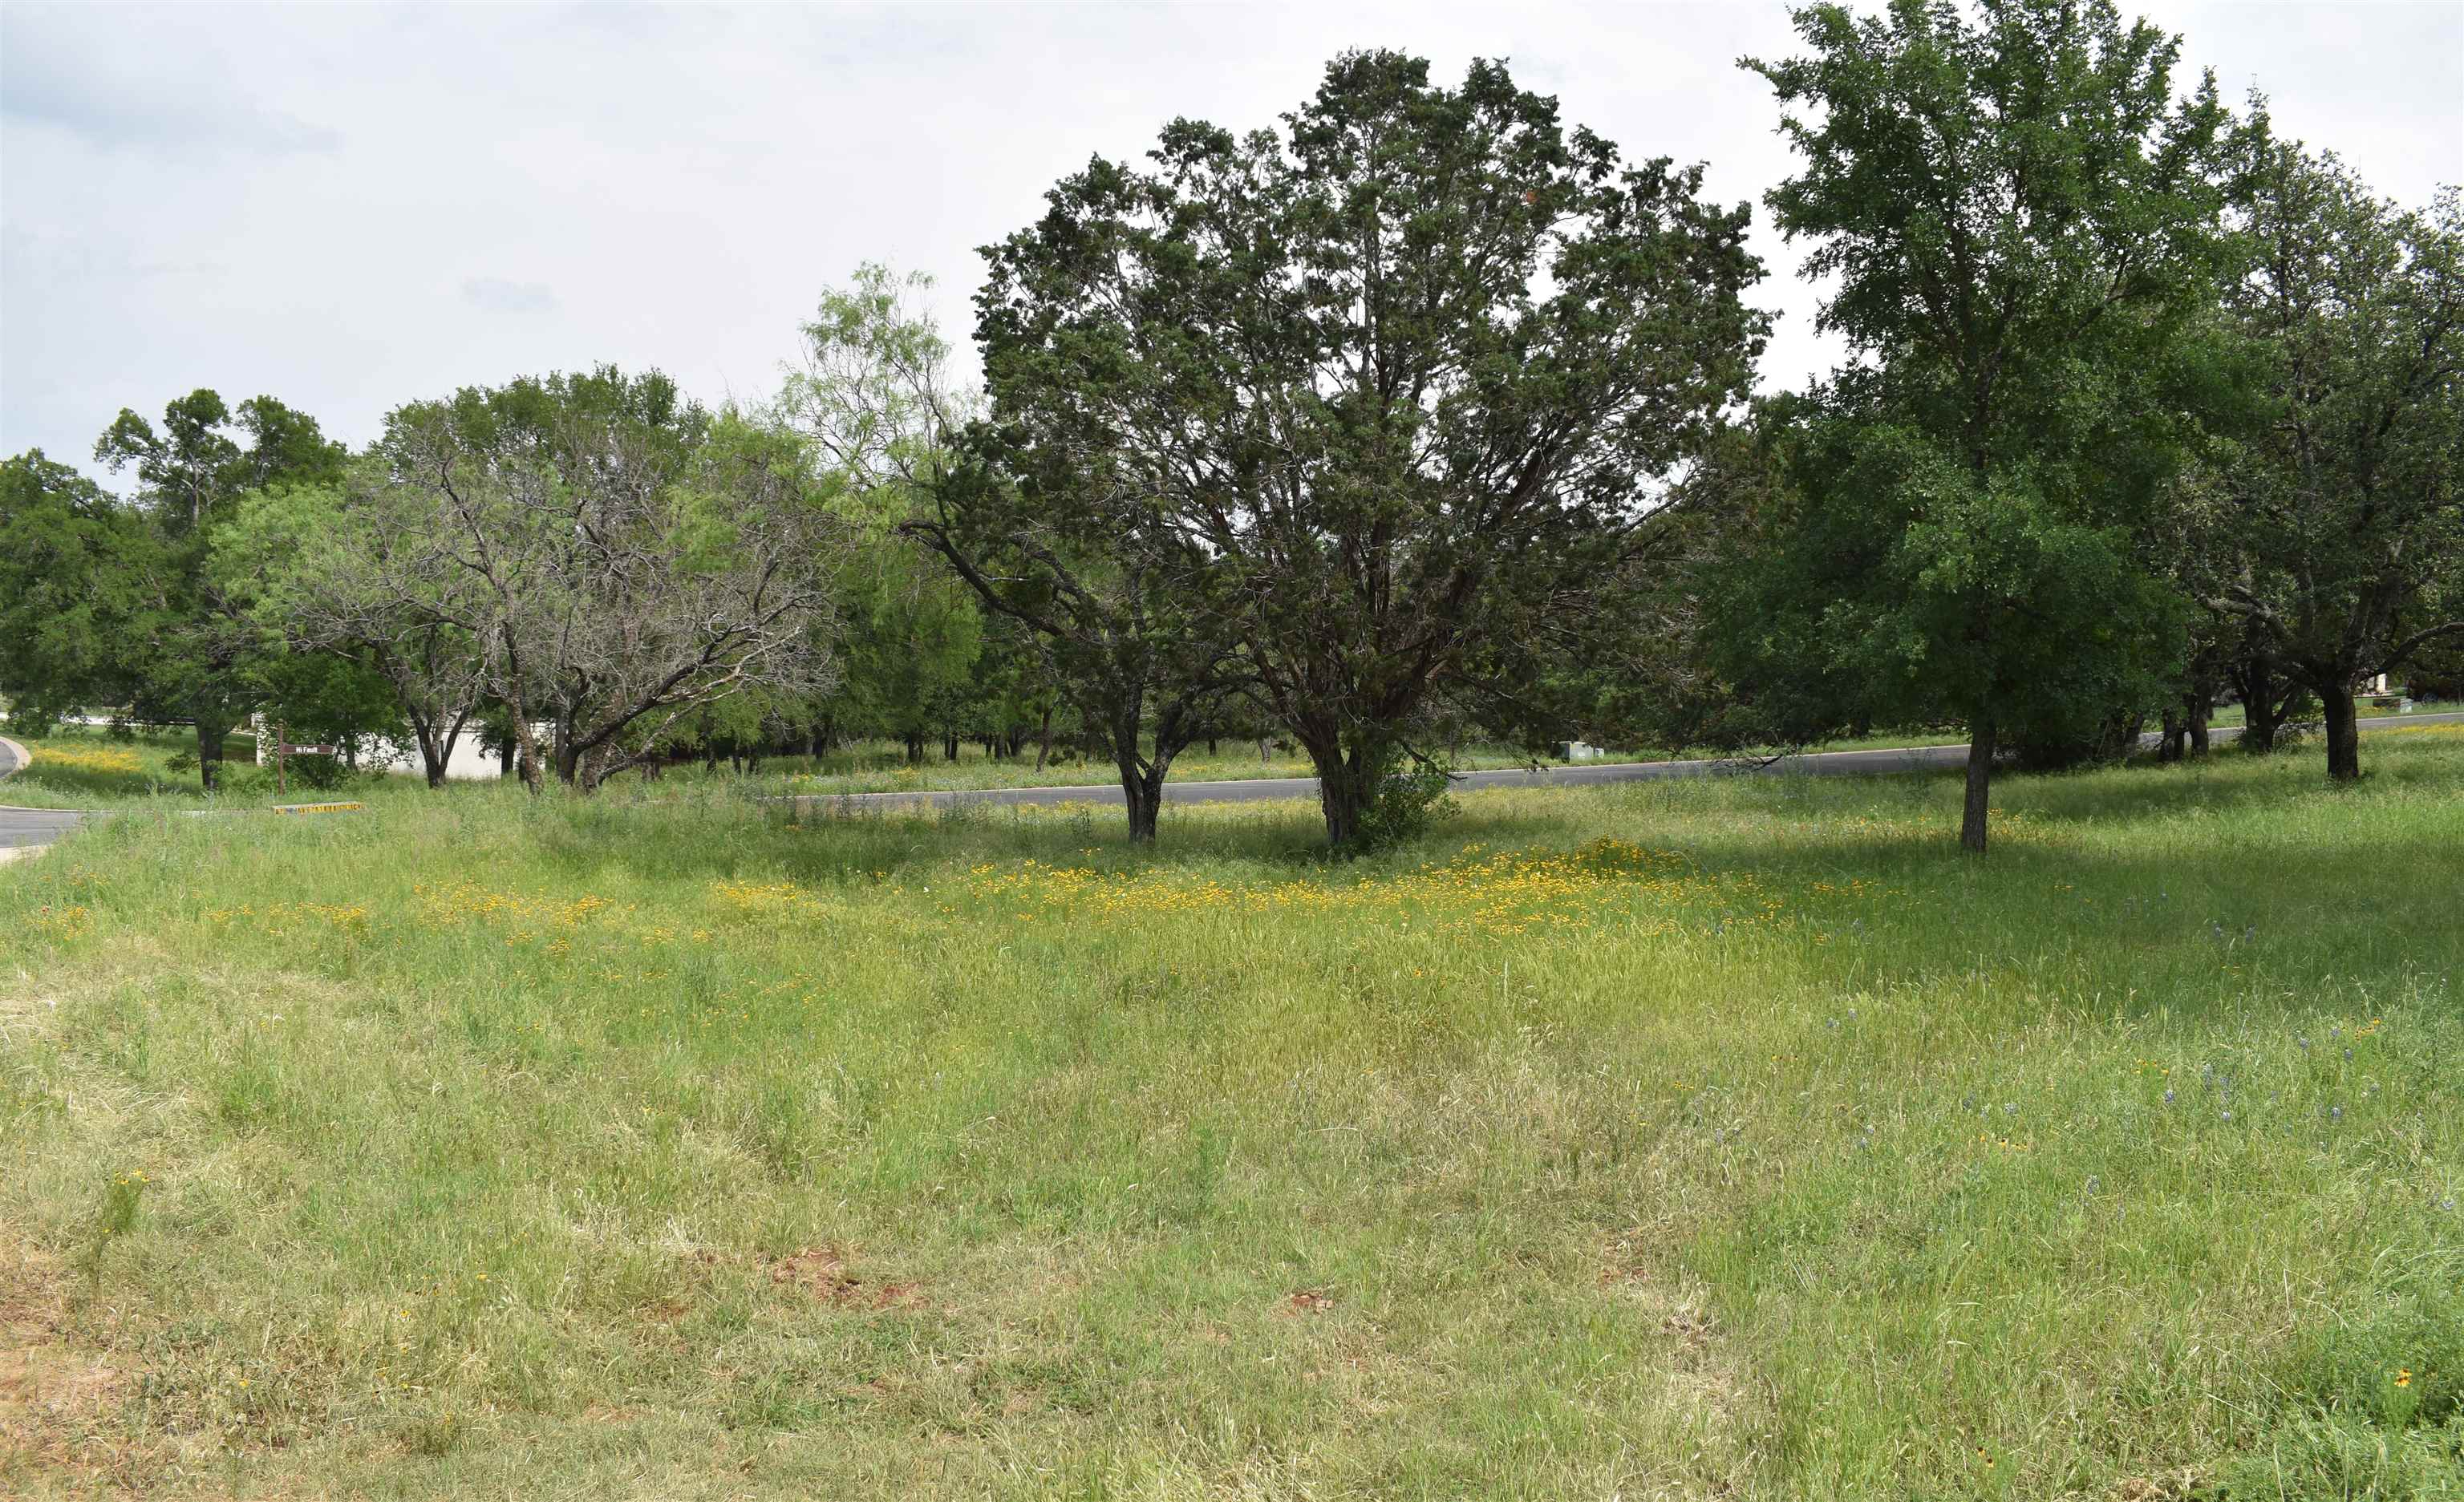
<point>350,207</point>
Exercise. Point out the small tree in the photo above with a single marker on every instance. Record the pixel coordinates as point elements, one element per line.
<point>1119,617</point>
<point>1403,376</point>
<point>350,569</point>
<point>2348,514</point>
<point>874,398</point>
<point>921,478</point>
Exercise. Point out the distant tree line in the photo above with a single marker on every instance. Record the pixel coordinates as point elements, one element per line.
<point>1419,411</point>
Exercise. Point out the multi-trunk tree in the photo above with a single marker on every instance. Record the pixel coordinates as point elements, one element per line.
<point>629,558</point>
<point>1359,395</point>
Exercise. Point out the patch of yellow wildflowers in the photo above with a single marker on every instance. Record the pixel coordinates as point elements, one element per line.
<point>81,758</point>
<point>1502,892</point>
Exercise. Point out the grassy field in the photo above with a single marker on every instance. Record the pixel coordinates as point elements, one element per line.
<point>1727,1139</point>
<point>76,768</point>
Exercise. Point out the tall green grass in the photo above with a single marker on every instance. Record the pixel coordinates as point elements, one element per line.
<point>1730,1138</point>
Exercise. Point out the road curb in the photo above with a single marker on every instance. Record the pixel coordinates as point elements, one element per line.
<point>21,758</point>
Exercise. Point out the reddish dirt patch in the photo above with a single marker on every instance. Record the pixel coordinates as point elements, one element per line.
<point>1306,1301</point>
<point>2171,1486</point>
<point>823,1273</point>
<point>1691,1327</point>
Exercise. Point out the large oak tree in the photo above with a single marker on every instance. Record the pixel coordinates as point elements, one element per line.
<point>1404,374</point>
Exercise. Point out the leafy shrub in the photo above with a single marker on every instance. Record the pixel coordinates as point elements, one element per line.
<point>321,773</point>
<point>1411,798</point>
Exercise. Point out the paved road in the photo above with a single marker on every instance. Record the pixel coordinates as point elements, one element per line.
<point>21,827</point>
<point>25,828</point>
<point>1856,763</point>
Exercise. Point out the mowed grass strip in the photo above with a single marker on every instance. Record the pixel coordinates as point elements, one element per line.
<point>1718,1139</point>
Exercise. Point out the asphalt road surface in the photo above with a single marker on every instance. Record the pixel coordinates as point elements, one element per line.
<point>21,827</point>
<point>1578,774</point>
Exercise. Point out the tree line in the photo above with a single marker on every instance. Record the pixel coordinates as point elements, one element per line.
<point>1417,410</point>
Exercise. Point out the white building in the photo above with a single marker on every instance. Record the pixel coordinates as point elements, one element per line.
<point>467,762</point>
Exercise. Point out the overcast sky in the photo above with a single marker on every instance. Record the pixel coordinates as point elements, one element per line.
<point>350,208</point>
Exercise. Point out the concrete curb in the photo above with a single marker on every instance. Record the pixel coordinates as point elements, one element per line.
<point>19,757</point>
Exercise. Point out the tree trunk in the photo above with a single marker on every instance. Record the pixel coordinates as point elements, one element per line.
<point>432,756</point>
<point>1142,791</point>
<point>1346,787</point>
<point>2261,705</point>
<point>2197,709</point>
<point>1044,741</point>
<point>1982,735</point>
<point>529,763</point>
<point>2168,747</point>
<point>209,754</point>
<point>505,758</point>
<point>949,745</point>
<point>567,756</point>
<point>2343,731</point>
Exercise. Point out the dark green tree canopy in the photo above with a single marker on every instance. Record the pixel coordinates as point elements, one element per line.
<point>113,602</point>
<point>1406,371</point>
<point>2023,221</point>
<point>2345,517</point>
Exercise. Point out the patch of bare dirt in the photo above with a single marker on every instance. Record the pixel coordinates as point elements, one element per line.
<point>1306,1301</point>
<point>58,1395</point>
<point>2172,1486</point>
<point>824,1274</point>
